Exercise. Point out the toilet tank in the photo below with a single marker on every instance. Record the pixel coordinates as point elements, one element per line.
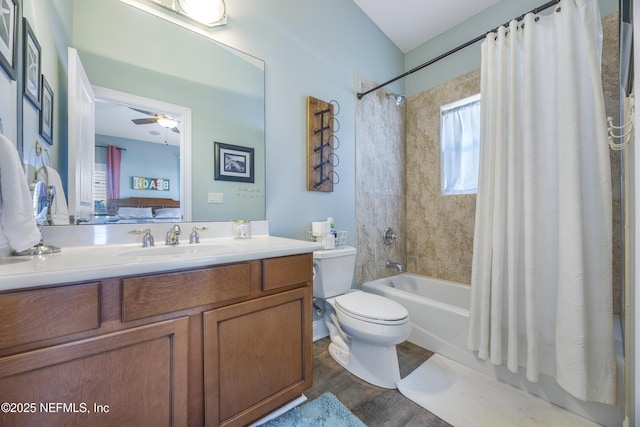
<point>333,271</point>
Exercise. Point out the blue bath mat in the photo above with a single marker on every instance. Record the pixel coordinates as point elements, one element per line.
<point>323,411</point>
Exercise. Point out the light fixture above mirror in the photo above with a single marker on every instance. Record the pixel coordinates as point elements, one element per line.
<point>209,13</point>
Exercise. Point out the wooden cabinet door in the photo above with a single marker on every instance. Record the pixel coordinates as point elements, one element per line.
<point>258,356</point>
<point>136,377</point>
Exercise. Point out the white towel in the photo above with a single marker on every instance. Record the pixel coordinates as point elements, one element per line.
<point>18,228</point>
<point>59,208</point>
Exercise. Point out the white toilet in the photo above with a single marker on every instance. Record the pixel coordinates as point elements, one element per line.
<point>364,328</point>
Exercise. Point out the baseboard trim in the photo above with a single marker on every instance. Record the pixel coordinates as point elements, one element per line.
<point>280,411</point>
<point>319,330</point>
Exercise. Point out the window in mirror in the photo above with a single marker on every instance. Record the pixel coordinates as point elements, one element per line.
<point>460,146</point>
<point>100,188</point>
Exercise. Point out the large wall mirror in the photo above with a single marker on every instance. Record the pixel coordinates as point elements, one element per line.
<point>127,51</point>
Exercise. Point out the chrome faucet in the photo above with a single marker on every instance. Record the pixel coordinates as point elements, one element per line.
<point>173,235</point>
<point>396,265</point>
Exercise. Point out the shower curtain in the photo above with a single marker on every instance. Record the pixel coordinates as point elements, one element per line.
<point>541,281</point>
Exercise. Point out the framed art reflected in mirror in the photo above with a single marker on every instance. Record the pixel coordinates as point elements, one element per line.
<point>233,163</point>
<point>46,112</point>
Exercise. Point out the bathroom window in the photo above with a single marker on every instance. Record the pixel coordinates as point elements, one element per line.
<point>460,146</point>
<point>100,188</point>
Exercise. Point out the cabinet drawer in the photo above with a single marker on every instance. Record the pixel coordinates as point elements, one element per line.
<point>286,271</point>
<point>31,316</point>
<point>155,294</point>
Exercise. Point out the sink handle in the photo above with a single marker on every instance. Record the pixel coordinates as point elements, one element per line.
<point>147,239</point>
<point>195,236</point>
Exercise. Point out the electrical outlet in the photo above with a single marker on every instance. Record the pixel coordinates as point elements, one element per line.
<point>216,198</point>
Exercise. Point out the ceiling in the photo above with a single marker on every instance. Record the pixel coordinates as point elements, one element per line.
<point>410,23</point>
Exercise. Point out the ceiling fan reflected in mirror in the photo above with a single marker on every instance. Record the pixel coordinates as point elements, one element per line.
<point>164,120</point>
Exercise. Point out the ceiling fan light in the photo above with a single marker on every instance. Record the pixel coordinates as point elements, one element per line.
<point>206,12</point>
<point>167,122</point>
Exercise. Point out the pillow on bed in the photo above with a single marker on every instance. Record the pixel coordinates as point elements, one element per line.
<point>168,213</point>
<point>135,213</point>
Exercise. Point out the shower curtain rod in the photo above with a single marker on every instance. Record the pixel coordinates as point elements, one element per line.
<point>456,49</point>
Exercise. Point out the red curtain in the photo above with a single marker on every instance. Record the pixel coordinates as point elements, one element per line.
<point>113,172</point>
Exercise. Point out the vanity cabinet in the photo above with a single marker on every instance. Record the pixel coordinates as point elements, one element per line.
<point>214,345</point>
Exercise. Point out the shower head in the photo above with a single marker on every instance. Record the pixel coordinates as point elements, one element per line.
<point>399,98</point>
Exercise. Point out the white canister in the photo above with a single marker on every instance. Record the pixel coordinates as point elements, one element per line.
<point>241,229</point>
<point>329,241</point>
<point>320,227</point>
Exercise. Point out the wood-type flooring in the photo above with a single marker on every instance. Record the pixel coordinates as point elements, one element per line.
<point>375,406</point>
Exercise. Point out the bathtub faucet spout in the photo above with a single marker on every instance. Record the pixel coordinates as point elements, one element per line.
<point>396,265</point>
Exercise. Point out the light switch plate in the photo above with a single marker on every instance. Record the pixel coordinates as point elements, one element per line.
<point>216,198</point>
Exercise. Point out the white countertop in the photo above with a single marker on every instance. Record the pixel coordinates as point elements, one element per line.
<point>85,263</point>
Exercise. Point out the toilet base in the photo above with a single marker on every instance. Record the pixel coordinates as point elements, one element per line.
<point>374,364</point>
<point>369,356</point>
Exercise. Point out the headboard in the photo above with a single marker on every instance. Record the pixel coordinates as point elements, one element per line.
<point>141,202</point>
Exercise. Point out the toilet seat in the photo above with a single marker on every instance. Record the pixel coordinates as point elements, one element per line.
<point>371,308</point>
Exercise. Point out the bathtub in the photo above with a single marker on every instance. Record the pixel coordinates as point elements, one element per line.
<point>439,313</point>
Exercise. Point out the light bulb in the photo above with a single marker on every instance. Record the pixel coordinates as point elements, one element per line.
<point>206,12</point>
<point>167,122</point>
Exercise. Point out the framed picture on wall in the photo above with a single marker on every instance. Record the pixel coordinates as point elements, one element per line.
<point>233,163</point>
<point>46,112</point>
<point>31,65</point>
<point>8,36</point>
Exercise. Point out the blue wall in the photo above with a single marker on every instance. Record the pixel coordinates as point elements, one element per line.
<point>311,48</point>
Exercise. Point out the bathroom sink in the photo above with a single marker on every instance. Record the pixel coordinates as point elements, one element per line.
<point>177,250</point>
<point>7,261</point>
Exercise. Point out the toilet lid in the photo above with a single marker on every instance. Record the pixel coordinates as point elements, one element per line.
<point>371,306</point>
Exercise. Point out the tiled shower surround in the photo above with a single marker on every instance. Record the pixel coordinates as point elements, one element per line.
<point>398,180</point>
<point>380,182</point>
